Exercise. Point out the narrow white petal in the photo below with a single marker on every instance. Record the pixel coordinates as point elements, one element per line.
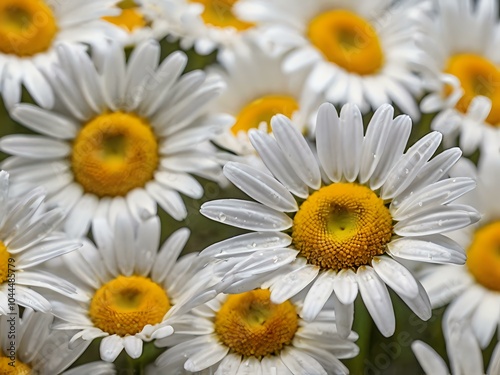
<point>250,366</point>
<point>431,362</point>
<point>230,364</point>
<point>133,346</point>
<point>317,296</point>
<point>169,253</point>
<point>140,204</point>
<point>168,199</point>
<point>212,353</point>
<point>260,186</point>
<point>292,283</point>
<point>396,276</point>
<point>301,363</point>
<point>111,347</point>
<point>246,215</point>
<point>420,304</point>
<point>377,300</point>
<point>78,221</point>
<point>485,319</point>
<point>328,141</point>
<point>345,286</point>
<point>124,245</point>
<point>344,316</point>
<point>34,146</point>
<point>351,133</point>
<point>264,261</point>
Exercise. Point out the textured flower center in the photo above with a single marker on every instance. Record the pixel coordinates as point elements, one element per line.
<point>124,305</point>
<point>347,40</point>
<point>251,325</point>
<point>4,263</point>
<point>18,368</point>
<point>130,18</point>
<point>219,13</point>
<point>342,226</point>
<point>114,153</point>
<point>483,256</point>
<point>27,27</point>
<point>478,76</point>
<point>262,110</point>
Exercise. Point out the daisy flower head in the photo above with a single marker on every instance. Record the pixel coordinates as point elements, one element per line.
<point>459,66</point>
<point>36,348</point>
<point>144,19</point>
<point>357,51</point>
<point>248,333</point>
<point>257,88</point>
<point>125,138</point>
<point>129,286</point>
<point>29,33</point>
<point>463,352</point>
<point>27,240</point>
<point>474,289</point>
<point>360,205</point>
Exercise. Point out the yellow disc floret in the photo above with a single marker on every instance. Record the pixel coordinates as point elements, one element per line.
<point>262,110</point>
<point>27,27</point>
<point>124,305</point>
<point>4,263</point>
<point>251,325</point>
<point>219,13</point>
<point>14,368</point>
<point>483,256</point>
<point>478,76</point>
<point>130,18</point>
<point>114,153</point>
<point>347,40</point>
<point>342,226</point>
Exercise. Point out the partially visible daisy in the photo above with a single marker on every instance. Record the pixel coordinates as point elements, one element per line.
<point>463,351</point>
<point>27,240</point>
<point>129,286</point>
<point>35,348</point>
<point>474,289</point>
<point>459,66</point>
<point>375,204</point>
<point>29,32</point>
<point>145,19</point>
<point>248,332</point>
<point>257,88</point>
<point>358,51</point>
<point>125,138</point>
<point>210,24</point>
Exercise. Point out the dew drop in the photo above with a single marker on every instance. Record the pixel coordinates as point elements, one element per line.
<point>420,204</point>
<point>222,217</point>
<point>440,222</point>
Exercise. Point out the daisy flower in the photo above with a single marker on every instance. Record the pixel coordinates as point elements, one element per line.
<point>257,88</point>
<point>248,332</point>
<point>129,286</point>
<point>374,205</point>
<point>474,289</point>
<point>29,32</point>
<point>27,240</point>
<point>459,65</point>
<point>463,351</point>
<point>36,348</point>
<point>144,19</point>
<point>209,24</point>
<point>358,51</point>
<point>124,139</point>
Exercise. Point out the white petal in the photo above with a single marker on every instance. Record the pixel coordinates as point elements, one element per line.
<point>229,365</point>
<point>168,199</point>
<point>212,353</point>
<point>430,361</point>
<point>293,282</point>
<point>168,254</point>
<point>246,215</point>
<point>345,286</point>
<point>351,132</point>
<point>78,221</point>
<point>396,276</point>
<point>34,146</point>
<point>328,141</point>
<point>124,245</point>
<point>301,363</point>
<point>420,304</point>
<point>485,319</point>
<point>140,204</point>
<point>133,346</point>
<point>317,296</point>
<point>111,347</point>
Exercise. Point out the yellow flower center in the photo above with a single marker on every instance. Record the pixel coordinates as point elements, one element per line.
<point>130,18</point>
<point>124,305</point>
<point>483,256</point>
<point>251,325</point>
<point>27,27</point>
<point>347,40</point>
<point>262,110</point>
<point>114,153</point>
<point>15,368</point>
<point>219,13</point>
<point>478,76</point>
<point>4,263</point>
<point>342,226</point>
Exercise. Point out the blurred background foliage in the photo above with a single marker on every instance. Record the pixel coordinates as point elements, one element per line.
<point>378,355</point>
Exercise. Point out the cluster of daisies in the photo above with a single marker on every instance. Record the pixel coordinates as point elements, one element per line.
<point>315,112</point>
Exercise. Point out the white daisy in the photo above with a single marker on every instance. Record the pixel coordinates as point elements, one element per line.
<point>257,89</point>
<point>358,51</point>
<point>125,139</point>
<point>209,24</point>
<point>375,205</point>
<point>459,66</point>
<point>145,19</point>
<point>129,285</point>
<point>32,347</point>
<point>29,32</point>
<point>463,351</point>
<point>248,332</point>
<point>474,289</point>
<point>27,240</point>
